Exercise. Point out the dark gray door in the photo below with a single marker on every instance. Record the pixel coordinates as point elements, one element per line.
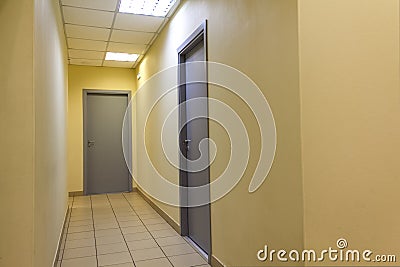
<point>106,170</point>
<point>197,130</point>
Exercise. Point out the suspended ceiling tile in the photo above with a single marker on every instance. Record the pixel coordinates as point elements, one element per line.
<point>85,54</point>
<point>126,48</point>
<point>88,17</point>
<point>131,37</point>
<point>86,62</point>
<point>109,5</point>
<point>142,23</point>
<point>88,26</point>
<point>84,32</point>
<point>86,44</point>
<point>118,64</point>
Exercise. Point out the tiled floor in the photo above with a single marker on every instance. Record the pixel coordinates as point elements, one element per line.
<point>121,230</point>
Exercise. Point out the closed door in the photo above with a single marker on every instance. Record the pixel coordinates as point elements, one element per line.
<point>105,167</point>
<point>196,130</point>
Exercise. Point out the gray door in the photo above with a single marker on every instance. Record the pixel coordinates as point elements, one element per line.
<point>105,170</point>
<point>197,130</point>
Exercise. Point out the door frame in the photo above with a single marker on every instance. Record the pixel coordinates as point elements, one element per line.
<point>198,36</point>
<point>85,93</point>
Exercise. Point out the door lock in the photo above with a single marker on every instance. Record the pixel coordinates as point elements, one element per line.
<point>90,143</point>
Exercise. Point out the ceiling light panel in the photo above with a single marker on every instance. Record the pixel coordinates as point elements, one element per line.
<point>158,8</point>
<point>121,56</point>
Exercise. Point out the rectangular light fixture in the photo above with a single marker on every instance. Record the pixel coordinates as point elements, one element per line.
<point>121,56</point>
<point>157,8</point>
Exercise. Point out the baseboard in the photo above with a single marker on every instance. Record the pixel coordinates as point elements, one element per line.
<point>57,256</point>
<point>215,262</point>
<point>162,213</point>
<point>75,193</point>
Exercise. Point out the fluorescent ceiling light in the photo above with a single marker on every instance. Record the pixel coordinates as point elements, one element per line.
<point>121,56</point>
<point>158,8</point>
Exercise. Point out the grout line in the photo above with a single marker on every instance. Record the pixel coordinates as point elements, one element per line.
<point>85,25</point>
<point>66,232</point>
<point>148,230</point>
<point>107,28</point>
<point>86,39</point>
<point>79,257</point>
<point>167,18</point>
<point>126,243</point>
<point>153,39</point>
<point>134,64</point>
<point>94,230</point>
<point>186,242</point>
<point>109,38</point>
<point>81,247</point>
<point>66,38</point>
<point>129,206</point>
<point>88,8</point>
<point>151,258</point>
<point>104,41</point>
<point>80,231</point>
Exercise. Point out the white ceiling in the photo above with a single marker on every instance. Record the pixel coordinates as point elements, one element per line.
<point>94,27</point>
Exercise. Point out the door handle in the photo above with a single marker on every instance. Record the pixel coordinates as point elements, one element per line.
<point>90,143</point>
<point>187,141</point>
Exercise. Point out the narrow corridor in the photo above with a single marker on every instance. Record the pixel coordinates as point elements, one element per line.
<point>121,230</point>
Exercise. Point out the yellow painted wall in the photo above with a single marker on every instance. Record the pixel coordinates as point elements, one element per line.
<point>260,39</point>
<point>86,77</point>
<point>350,113</point>
<point>17,133</point>
<point>33,125</point>
<point>50,86</point>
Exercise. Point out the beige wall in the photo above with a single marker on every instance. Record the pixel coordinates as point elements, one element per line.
<point>50,85</point>
<point>260,39</point>
<point>350,112</point>
<point>85,77</point>
<point>347,144</point>
<point>17,133</point>
<point>33,123</point>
